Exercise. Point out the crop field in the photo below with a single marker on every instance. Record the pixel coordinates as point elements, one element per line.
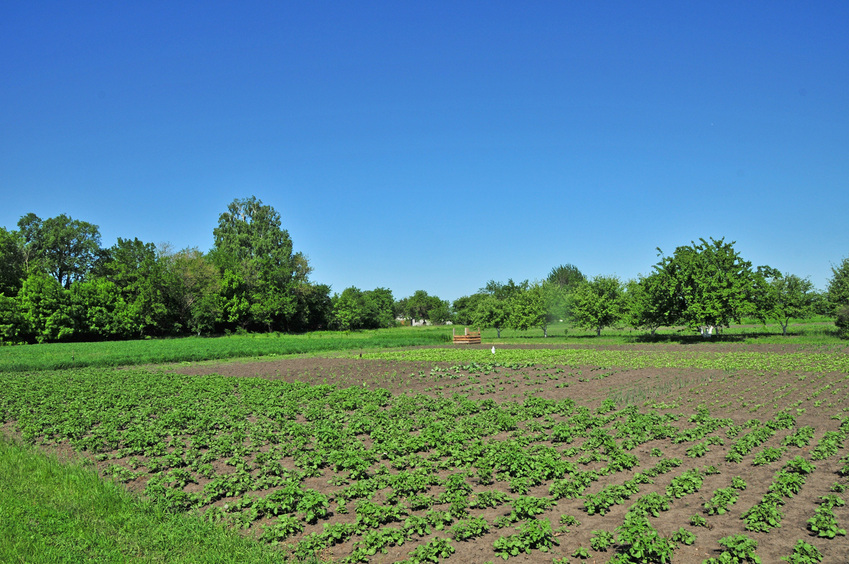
<point>610,453</point>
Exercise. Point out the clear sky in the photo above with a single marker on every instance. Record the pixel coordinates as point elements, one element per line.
<point>438,145</point>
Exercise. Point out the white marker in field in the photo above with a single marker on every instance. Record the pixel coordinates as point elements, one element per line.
<point>493,349</point>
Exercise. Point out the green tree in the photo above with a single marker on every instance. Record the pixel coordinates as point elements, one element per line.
<point>44,307</point>
<point>792,297</point>
<point>261,273</point>
<point>65,248</point>
<point>528,310</point>
<point>838,285</point>
<point>504,291</point>
<point>598,303</point>
<point>421,306</point>
<point>94,306</point>
<point>12,267</point>
<point>567,276</point>
<point>464,308</point>
<point>315,307</point>
<point>12,323</point>
<point>192,289</point>
<point>492,313</point>
<point>712,285</point>
<point>380,308</point>
<point>140,277</point>
<point>349,309</point>
<point>648,302</point>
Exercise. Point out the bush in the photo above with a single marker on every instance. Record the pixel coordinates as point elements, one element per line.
<point>842,322</point>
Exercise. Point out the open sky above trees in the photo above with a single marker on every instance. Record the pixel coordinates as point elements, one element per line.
<point>439,145</point>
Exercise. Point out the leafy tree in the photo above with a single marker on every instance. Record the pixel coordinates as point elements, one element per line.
<point>503,291</point>
<point>648,302</point>
<point>528,310</point>
<point>492,312</point>
<point>842,322</point>
<point>66,248</point>
<point>11,263</point>
<point>380,308</point>
<point>567,276</point>
<point>261,273</point>
<point>45,309</point>
<point>94,306</point>
<point>838,285</point>
<point>12,322</point>
<point>422,306</point>
<point>464,308</point>
<point>349,309</point>
<point>598,303</point>
<point>315,307</point>
<point>140,277</point>
<point>192,288</point>
<point>712,285</point>
<point>792,297</point>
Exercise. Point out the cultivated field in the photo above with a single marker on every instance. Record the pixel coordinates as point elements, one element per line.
<point>630,453</point>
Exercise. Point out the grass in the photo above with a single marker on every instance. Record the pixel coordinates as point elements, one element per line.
<point>63,512</point>
<point>55,356</point>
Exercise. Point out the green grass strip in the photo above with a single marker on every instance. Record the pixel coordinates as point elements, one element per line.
<point>54,512</point>
<point>760,361</point>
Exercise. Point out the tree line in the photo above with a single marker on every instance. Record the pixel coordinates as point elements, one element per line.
<point>58,283</point>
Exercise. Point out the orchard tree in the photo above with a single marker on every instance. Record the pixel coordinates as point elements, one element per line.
<point>65,248</point>
<point>260,270</point>
<point>492,312</point>
<point>598,303</point>
<point>791,297</point>
<point>712,285</point>
<point>838,285</point>
<point>528,310</point>
<point>422,306</point>
<point>648,302</point>
<point>504,291</point>
<point>465,307</point>
<point>567,277</point>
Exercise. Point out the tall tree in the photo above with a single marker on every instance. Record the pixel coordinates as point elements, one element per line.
<point>567,276</point>
<point>492,312</point>
<point>648,302</point>
<point>140,277</point>
<point>527,310</point>
<point>192,288</point>
<point>45,309</point>
<point>838,285</point>
<point>12,266</point>
<point>712,285</point>
<point>66,248</point>
<point>598,303</point>
<point>261,271</point>
<point>464,308</point>
<point>791,297</point>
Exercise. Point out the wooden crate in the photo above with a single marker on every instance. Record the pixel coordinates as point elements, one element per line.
<point>467,338</point>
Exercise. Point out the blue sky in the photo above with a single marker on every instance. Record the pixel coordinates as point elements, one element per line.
<point>438,145</point>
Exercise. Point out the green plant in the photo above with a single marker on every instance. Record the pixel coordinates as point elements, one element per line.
<point>601,540</point>
<point>824,523</point>
<point>803,553</point>
<point>738,548</point>
<point>683,536</point>
<point>722,498</point>
<point>535,534</point>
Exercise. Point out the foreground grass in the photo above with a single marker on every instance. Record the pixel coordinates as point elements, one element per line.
<point>55,512</point>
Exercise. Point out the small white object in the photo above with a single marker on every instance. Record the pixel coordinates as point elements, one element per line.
<point>493,349</point>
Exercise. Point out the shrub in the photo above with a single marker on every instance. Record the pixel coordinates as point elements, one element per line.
<point>842,322</point>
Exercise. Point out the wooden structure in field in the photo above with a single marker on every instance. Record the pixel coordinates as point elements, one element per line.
<point>467,338</point>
